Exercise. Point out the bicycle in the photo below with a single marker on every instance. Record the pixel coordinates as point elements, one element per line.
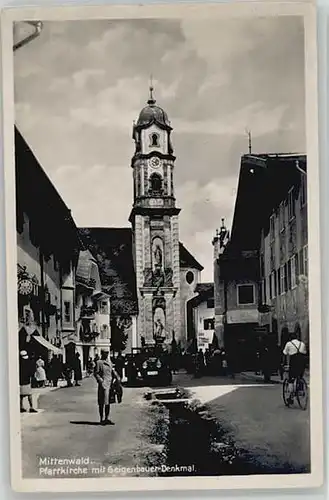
<point>300,392</point>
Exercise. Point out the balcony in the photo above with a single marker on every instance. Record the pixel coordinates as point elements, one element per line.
<point>87,313</point>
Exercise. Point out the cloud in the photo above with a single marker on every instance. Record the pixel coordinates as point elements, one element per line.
<point>80,85</point>
<point>97,196</point>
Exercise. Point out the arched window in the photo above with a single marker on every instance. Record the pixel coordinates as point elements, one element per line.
<point>154,140</point>
<point>156,183</point>
<point>189,277</point>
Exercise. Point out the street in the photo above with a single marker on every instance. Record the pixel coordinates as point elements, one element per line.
<point>255,417</point>
<point>251,413</point>
<point>67,426</point>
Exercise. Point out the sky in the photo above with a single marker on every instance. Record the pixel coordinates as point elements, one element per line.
<point>80,85</point>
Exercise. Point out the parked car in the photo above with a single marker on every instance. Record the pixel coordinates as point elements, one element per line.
<point>155,369</point>
<point>150,365</point>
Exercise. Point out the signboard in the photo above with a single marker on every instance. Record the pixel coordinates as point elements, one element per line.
<point>205,338</point>
<point>242,316</point>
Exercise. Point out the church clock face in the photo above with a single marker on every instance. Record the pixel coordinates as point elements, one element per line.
<point>155,162</point>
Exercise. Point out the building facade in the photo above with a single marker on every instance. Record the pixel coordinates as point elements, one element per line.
<point>284,258</point>
<point>261,272</point>
<point>201,316</point>
<point>47,253</point>
<point>92,310</point>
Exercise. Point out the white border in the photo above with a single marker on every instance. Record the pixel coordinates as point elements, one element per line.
<point>251,9</point>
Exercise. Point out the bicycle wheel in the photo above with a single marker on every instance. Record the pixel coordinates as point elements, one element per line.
<point>302,393</point>
<point>286,393</point>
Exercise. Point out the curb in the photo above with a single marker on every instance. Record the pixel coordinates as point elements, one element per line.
<point>259,378</point>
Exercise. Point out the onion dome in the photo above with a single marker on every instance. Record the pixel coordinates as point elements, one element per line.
<point>153,114</point>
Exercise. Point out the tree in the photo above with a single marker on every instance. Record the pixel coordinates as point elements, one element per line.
<point>119,337</point>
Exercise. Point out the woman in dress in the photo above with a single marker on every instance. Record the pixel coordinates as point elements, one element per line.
<point>40,372</point>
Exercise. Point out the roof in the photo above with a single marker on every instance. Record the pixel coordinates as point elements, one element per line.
<point>153,114</point>
<point>205,288</point>
<point>264,181</point>
<point>37,197</point>
<point>113,251</point>
<point>205,291</point>
<point>87,273</point>
<point>186,259</point>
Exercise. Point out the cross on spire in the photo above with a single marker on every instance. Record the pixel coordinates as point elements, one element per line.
<point>151,100</point>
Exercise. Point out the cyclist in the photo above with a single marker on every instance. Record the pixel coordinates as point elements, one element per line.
<point>295,354</point>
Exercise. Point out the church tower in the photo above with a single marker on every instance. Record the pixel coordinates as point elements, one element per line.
<point>154,219</point>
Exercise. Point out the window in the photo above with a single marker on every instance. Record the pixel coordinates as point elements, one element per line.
<point>288,275</point>
<point>270,286</point>
<point>282,280</point>
<point>246,294</point>
<point>67,311</point>
<point>210,303</point>
<point>278,279</point>
<point>104,331</point>
<point>264,299</point>
<point>103,308</point>
<point>262,266</point>
<point>209,324</point>
<point>154,140</point>
<point>189,277</point>
<point>282,216</point>
<point>155,183</point>
<point>305,260</point>
<point>293,269</point>
<point>296,265</point>
<point>272,227</point>
<point>303,191</point>
<point>273,293</point>
<point>272,255</point>
<point>291,204</point>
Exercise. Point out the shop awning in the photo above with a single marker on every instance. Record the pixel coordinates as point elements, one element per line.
<point>42,341</point>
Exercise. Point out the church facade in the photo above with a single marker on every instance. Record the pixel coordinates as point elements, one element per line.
<point>154,220</point>
<point>165,273</point>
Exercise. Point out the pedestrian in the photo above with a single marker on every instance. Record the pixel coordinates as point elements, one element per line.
<point>224,363</point>
<point>105,375</point>
<point>77,370</point>
<point>207,358</point>
<point>119,364</point>
<point>68,374</point>
<point>55,370</point>
<point>25,379</point>
<point>90,367</point>
<point>40,372</point>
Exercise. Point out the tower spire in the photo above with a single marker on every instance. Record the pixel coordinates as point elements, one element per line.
<point>248,132</point>
<point>151,100</point>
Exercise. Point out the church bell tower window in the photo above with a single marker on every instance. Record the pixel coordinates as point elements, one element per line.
<point>156,183</point>
<point>154,140</point>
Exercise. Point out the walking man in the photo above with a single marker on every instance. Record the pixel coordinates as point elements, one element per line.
<point>26,370</point>
<point>77,369</point>
<point>105,375</point>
